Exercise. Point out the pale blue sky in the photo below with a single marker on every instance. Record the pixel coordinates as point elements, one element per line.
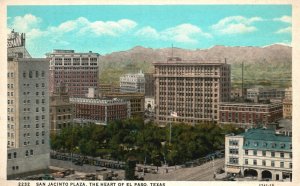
<point>106,29</point>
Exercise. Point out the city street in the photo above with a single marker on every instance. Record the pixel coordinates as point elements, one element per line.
<point>85,169</point>
<point>204,172</point>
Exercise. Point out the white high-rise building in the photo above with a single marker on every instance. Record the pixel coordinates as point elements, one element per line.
<point>27,115</point>
<point>132,83</point>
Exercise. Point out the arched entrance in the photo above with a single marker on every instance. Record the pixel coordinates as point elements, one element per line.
<point>250,173</point>
<point>266,175</point>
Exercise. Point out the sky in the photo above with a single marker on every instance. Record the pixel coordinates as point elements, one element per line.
<point>109,28</point>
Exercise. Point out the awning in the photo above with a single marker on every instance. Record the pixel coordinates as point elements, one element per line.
<point>233,170</point>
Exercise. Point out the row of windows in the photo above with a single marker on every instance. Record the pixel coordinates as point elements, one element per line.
<point>10,74</point>
<point>265,152</point>
<point>42,85</point>
<point>263,163</point>
<point>270,144</point>
<point>37,125</point>
<point>37,74</point>
<point>10,93</point>
<point>9,142</point>
<point>10,85</point>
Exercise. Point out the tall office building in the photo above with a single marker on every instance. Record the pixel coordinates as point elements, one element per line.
<point>191,88</point>
<point>132,83</point>
<point>27,112</point>
<point>79,71</point>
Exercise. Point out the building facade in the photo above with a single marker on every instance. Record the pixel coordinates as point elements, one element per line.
<point>249,114</point>
<point>28,116</point>
<point>149,85</point>
<point>61,110</point>
<point>259,153</point>
<point>288,104</point>
<point>100,111</point>
<point>78,71</point>
<point>193,89</point>
<point>132,83</point>
<point>105,88</point>
<point>265,94</point>
<point>137,101</point>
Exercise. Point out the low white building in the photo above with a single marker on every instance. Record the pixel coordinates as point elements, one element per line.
<point>259,153</point>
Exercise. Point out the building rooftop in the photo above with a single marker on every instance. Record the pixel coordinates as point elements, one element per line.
<point>248,103</point>
<point>264,134</point>
<point>266,139</point>
<point>177,60</point>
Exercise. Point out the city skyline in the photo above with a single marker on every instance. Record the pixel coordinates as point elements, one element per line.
<point>110,28</point>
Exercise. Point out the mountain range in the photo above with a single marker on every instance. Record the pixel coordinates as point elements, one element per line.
<point>263,66</point>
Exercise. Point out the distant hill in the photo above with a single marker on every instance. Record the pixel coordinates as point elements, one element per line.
<point>267,66</point>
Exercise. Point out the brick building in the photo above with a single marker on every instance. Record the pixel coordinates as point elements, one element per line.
<point>248,114</point>
<point>137,101</point>
<point>78,71</point>
<point>100,111</point>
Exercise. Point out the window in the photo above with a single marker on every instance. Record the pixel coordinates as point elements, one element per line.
<point>254,162</point>
<point>15,154</point>
<point>43,84</point>
<point>233,160</point>
<point>31,152</point>
<point>24,74</point>
<point>246,152</point>
<point>282,164</point>
<point>43,74</point>
<point>272,154</point>
<point>246,161</point>
<point>233,142</point>
<point>290,155</point>
<point>30,74</point>
<point>43,141</point>
<point>282,155</point>
<point>264,153</point>
<point>37,134</point>
<point>264,162</point>
<point>9,156</point>
<point>26,153</point>
<point>254,152</point>
<point>36,74</point>
<point>291,165</point>
<point>37,142</point>
<point>37,125</point>
<point>272,163</point>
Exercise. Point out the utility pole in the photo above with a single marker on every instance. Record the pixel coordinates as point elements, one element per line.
<point>243,79</point>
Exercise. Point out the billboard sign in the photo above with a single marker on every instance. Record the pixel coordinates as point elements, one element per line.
<point>15,40</point>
